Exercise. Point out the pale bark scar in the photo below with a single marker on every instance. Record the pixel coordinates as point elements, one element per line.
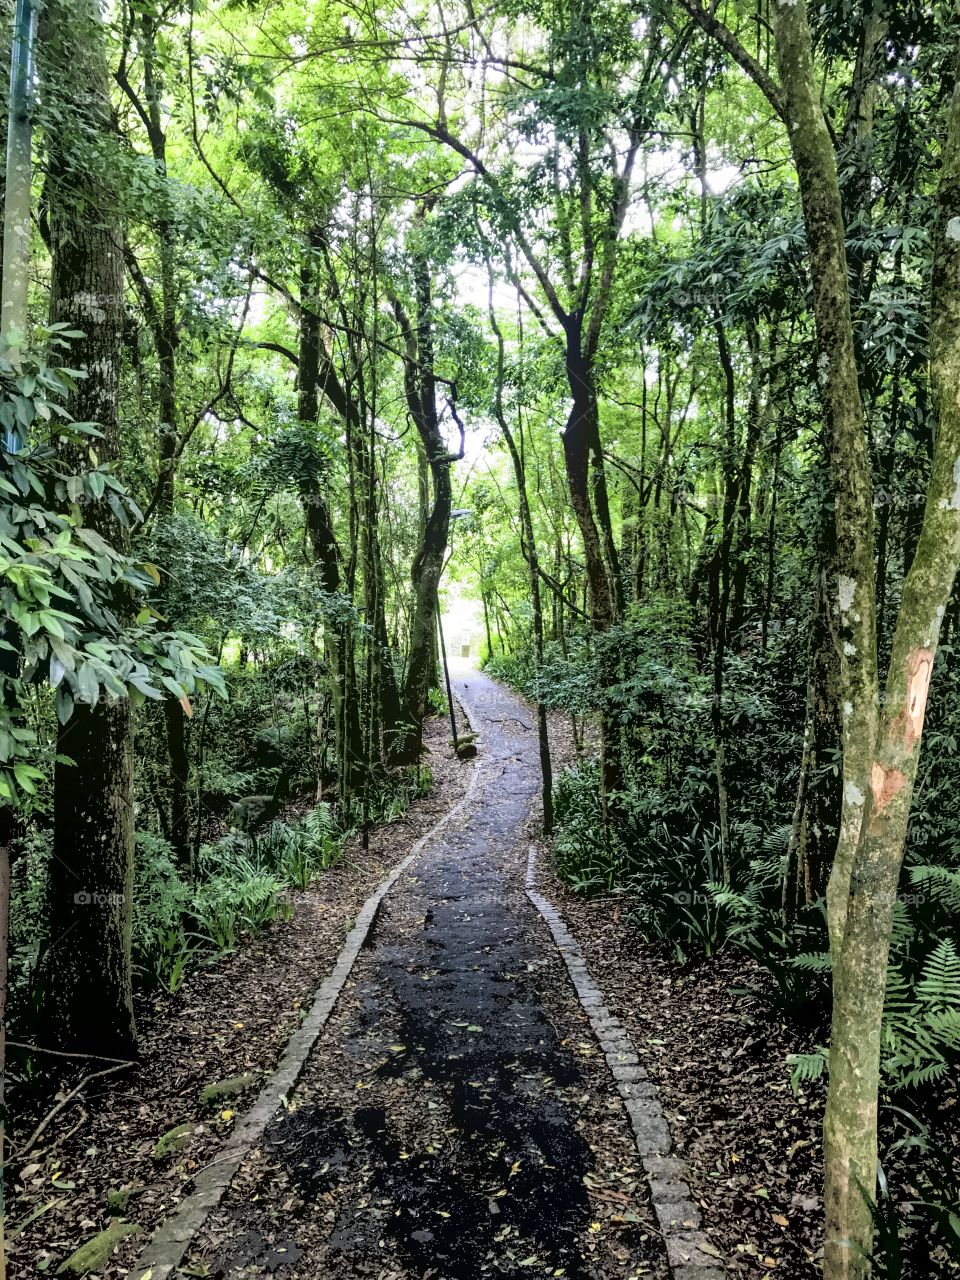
<point>919,669</point>
<point>884,784</point>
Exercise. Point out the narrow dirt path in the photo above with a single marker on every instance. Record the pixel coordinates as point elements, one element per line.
<point>455,1119</point>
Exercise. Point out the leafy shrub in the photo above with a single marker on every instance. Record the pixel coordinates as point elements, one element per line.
<point>28,924</point>
<point>656,851</point>
<point>297,854</point>
<point>437,702</point>
<point>239,888</point>
<point>517,668</point>
<point>321,836</point>
<point>586,852</point>
<point>902,1245</point>
<point>391,796</point>
<point>225,907</point>
<point>161,950</point>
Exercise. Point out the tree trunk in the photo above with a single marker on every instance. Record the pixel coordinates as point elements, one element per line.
<point>850,1123</point>
<point>582,458</point>
<point>860,963</point>
<point>7,830</point>
<point>771,541</point>
<point>166,341</point>
<point>816,814</point>
<point>87,972</point>
<point>529,550</point>
<point>420,387</point>
<point>178,758</point>
<point>323,537</point>
<point>384,710</point>
<point>880,745</point>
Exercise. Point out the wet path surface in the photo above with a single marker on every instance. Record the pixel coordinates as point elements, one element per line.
<point>446,1122</point>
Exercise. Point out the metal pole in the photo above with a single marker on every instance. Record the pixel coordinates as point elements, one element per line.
<point>16,207</point>
<point>446,676</point>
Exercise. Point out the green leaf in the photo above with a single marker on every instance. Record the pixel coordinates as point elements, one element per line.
<point>28,777</point>
<point>64,704</point>
<point>146,688</point>
<point>52,624</point>
<point>88,684</point>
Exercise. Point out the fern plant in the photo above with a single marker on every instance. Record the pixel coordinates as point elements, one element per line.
<point>807,1066</point>
<point>938,1187</point>
<point>322,836</point>
<point>940,884</point>
<point>921,1028</point>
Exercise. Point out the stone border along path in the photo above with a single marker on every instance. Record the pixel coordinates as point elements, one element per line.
<point>685,1243</point>
<point>668,1175</point>
<point>173,1237</point>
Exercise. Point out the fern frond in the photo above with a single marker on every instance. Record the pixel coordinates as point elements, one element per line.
<point>924,1075</point>
<point>742,904</point>
<point>939,883</point>
<point>939,986</point>
<point>812,961</point>
<point>945,1026</point>
<point>904,930</point>
<point>775,841</point>
<point>806,1066</point>
<point>921,1023</point>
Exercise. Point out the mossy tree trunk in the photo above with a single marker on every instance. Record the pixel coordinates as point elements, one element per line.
<point>881,736</point>
<point>88,1003</point>
<point>420,384</point>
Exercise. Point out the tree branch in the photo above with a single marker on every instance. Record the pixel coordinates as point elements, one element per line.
<point>709,23</point>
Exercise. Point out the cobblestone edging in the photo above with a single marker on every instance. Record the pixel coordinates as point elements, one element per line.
<point>162,1255</point>
<point>668,1175</point>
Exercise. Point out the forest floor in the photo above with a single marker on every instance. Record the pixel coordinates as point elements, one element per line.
<point>230,1019</point>
<point>720,1067</point>
<point>455,1119</point>
<point>710,1035</point>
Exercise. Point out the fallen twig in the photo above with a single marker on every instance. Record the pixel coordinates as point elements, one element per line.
<point>59,1053</point>
<point>45,1151</point>
<point>95,1075</point>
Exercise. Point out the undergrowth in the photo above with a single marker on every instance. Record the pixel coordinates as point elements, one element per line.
<point>658,848</point>
<point>240,887</point>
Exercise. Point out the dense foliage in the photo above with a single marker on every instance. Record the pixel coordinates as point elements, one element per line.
<point>527,298</point>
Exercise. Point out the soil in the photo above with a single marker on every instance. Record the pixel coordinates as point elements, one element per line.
<point>719,1062</point>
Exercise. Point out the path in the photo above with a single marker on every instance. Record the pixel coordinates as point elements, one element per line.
<point>455,1120</point>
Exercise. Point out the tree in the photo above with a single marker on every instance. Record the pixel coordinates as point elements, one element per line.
<point>88,991</point>
<point>420,386</point>
<point>881,736</point>
<point>585,64</point>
